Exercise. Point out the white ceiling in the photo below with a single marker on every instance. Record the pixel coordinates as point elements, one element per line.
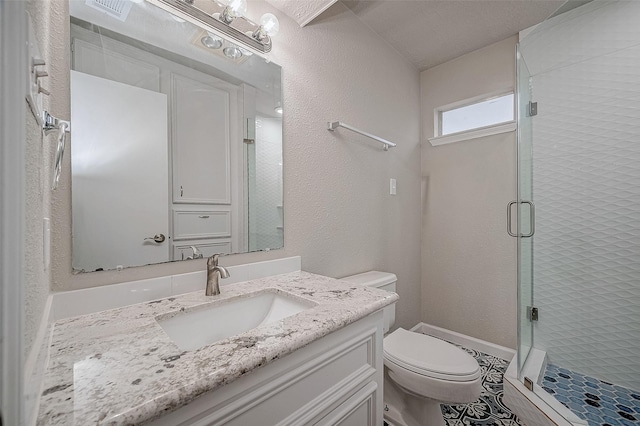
<point>302,11</point>
<point>430,32</point>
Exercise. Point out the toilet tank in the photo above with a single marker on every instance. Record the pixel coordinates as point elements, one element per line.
<point>384,281</point>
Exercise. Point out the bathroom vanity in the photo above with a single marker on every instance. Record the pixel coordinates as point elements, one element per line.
<point>295,348</point>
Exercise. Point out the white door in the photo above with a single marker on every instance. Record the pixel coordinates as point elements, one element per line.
<point>119,151</point>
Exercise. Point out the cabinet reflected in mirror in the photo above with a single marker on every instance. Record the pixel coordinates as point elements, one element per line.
<point>176,150</point>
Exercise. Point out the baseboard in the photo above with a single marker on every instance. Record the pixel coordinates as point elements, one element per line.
<point>464,340</point>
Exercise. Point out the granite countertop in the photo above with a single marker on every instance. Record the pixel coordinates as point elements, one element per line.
<point>120,367</point>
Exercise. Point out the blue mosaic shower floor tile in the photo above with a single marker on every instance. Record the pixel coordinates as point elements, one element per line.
<point>598,402</point>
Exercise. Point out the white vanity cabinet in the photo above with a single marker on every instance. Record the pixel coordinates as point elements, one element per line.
<point>335,380</point>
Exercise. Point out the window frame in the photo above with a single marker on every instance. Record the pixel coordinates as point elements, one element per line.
<point>477,132</point>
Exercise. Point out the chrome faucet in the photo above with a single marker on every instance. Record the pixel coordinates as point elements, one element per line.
<point>214,273</point>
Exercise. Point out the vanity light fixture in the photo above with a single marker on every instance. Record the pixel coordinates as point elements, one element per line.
<point>278,108</point>
<point>225,19</point>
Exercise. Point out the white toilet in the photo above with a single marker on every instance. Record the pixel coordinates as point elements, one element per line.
<point>421,372</point>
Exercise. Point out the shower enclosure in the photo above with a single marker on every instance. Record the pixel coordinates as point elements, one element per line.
<point>578,211</point>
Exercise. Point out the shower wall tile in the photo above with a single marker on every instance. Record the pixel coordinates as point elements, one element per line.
<point>595,29</point>
<point>266,229</point>
<point>586,181</point>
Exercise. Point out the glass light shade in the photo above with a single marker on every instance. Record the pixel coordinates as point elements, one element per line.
<point>245,52</point>
<point>270,24</point>
<point>237,8</point>
<point>211,41</point>
<point>232,52</point>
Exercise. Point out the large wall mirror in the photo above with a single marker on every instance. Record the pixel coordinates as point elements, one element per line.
<point>176,141</point>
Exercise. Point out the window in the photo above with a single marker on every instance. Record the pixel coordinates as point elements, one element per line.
<point>474,118</point>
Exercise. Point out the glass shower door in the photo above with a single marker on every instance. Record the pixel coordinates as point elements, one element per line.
<point>525,211</point>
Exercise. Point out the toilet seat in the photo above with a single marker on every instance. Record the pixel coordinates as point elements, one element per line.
<point>429,356</point>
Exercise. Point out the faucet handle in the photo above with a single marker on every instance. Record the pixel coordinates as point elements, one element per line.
<point>196,252</point>
<point>195,255</point>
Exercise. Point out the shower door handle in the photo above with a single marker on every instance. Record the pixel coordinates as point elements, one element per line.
<point>532,219</point>
<point>532,210</point>
<point>509,218</point>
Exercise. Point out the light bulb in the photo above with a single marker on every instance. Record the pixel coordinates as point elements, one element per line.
<point>245,52</point>
<point>232,52</point>
<point>211,41</point>
<point>239,7</point>
<point>270,24</point>
<point>234,9</point>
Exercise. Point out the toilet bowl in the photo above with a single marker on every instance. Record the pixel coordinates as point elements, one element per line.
<point>421,372</point>
<point>427,372</point>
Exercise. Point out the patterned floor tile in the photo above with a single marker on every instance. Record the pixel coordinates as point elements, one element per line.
<point>600,403</point>
<point>488,410</point>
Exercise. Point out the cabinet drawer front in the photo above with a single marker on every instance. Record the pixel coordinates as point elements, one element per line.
<point>201,224</point>
<point>208,248</point>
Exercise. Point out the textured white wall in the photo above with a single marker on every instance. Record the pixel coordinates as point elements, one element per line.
<point>339,215</point>
<point>586,184</point>
<point>468,260</point>
<point>39,152</point>
<point>38,196</point>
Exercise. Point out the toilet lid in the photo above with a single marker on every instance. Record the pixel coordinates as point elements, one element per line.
<point>429,356</point>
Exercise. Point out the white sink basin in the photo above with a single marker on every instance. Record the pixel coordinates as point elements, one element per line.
<point>207,324</point>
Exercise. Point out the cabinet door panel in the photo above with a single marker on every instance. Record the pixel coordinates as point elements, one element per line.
<point>201,140</point>
<point>313,387</point>
<point>359,410</point>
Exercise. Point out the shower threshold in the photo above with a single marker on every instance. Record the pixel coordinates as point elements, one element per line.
<point>538,407</point>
